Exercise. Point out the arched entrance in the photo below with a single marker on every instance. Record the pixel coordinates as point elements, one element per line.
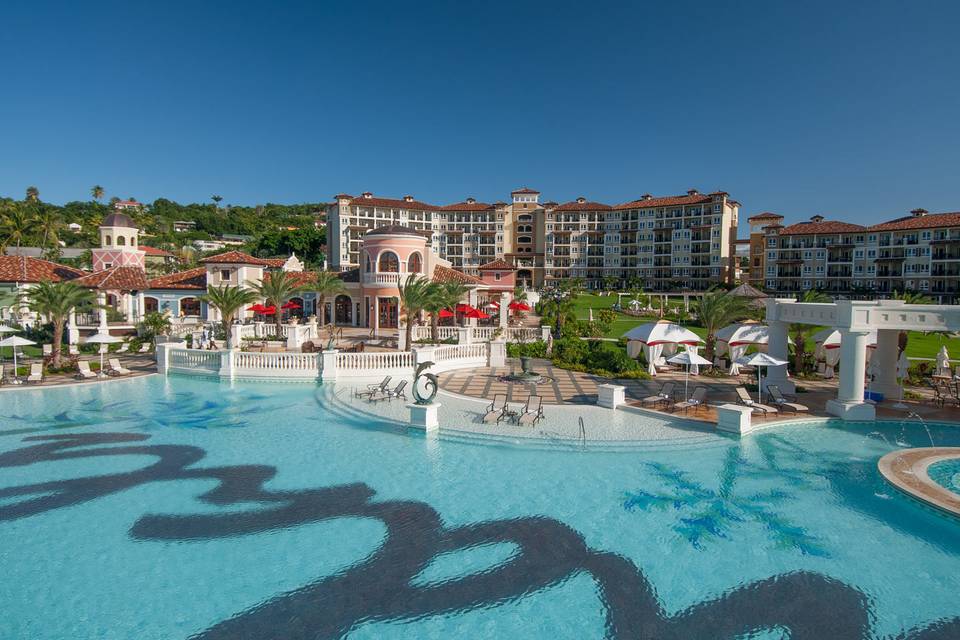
<point>189,307</point>
<point>298,312</point>
<point>525,278</point>
<point>150,305</point>
<point>343,310</point>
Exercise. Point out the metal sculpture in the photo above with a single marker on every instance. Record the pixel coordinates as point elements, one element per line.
<point>430,383</point>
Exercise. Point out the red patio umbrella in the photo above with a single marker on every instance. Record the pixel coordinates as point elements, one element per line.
<point>257,308</point>
<point>268,311</point>
<point>476,313</point>
<point>463,308</point>
<point>445,313</point>
<point>291,305</point>
<point>516,305</point>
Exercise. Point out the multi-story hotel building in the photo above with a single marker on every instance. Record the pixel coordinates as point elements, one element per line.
<point>664,243</point>
<point>918,252</point>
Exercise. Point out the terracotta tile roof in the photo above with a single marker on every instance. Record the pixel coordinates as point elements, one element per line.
<point>580,204</point>
<point>299,277</point>
<point>189,279</point>
<point>119,278</point>
<point>275,263</point>
<point>927,221</point>
<point>826,226</point>
<point>667,201</point>
<point>234,257</point>
<point>468,205</point>
<point>497,265</point>
<point>766,215</point>
<point>446,274</point>
<point>393,203</point>
<point>25,269</point>
<point>153,251</point>
<point>525,190</point>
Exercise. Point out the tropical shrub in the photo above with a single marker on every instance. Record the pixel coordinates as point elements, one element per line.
<point>537,349</point>
<point>609,356</point>
<point>572,350</point>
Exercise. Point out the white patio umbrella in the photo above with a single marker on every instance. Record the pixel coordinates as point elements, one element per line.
<point>943,362</point>
<point>102,339</point>
<point>653,335</point>
<point>758,360</point>
<point>690,358</point>
<point>5,329</point>
<point>15,341</point>
<point>903,370</point>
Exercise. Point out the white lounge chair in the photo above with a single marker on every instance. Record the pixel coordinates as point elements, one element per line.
<point>124,348</point>
<point>374,389</point>
<point>397,392</point>
<point>116,369</point>
<point>36,373</point>
<point>744,397</point>
<point>497,410</point>
<point>144,348</point>
<point>532,411</point>
<point>83,371</point>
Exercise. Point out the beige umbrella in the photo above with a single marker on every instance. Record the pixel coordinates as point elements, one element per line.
<point>103,339</point>
<point>15,341</point>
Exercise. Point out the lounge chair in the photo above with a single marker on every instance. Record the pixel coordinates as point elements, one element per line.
<point>83,371</point>
<point>124,348</point>
<point>665,395</point>
<point>36,373</point>
<point>397,392</point>
<point>531,412</point>
<point>696,400</point>
<point>744,398</point>
<point>374,389</point>
<point>116,369</point>
<point>779,401</point>
<point>144,348</point>
<point>3,374</point>
<point>497,410</point>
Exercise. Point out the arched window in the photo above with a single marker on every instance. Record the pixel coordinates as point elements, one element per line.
<point>414,263</point>
<point>388,263</point>
<point>121,241</point>
<point>189,307</point>
<point>106,240</point>
<point>525,218</point>
<point>133,241</point>
<point>523,239</point>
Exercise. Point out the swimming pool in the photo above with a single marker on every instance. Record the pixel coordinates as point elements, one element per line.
<point>946,473</point>
<point>182,507</point>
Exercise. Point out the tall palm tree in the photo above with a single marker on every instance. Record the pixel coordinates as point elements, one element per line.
<point>715,310</point>
<point>228,300</point>
<point>327,285</point>
<point>908,297</point>
<point>97,192</point>
<point>443,296</point>
<point>16,224</point>
<point>49,224</point>
<point>56,300</point>
<point>276,288</point>
<point>216,201</point>
<point>32,194</point>
<point>800,330</point>
<point>415,294</point>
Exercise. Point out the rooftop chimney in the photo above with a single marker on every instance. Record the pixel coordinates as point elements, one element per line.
<point>919,212</point>
<point>366,194</point>
<point>581,199</point>
<point>471,200</point>
<point>692,192</point>
<point>408,198</point>
<point>816,218</point>
<point>646,196</point>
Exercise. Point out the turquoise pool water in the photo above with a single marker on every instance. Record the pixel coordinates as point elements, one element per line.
<point>946,474</point>
<point>186,508</point>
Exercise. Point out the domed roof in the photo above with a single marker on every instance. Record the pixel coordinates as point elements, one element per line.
<point>396,230</point>
<point>117,219</point>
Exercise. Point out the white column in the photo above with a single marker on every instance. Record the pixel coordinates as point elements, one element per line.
<point>127,302</point>
<point>777,348</point>
<point>884,361</point>
<point>376,316</point>
<point>73,334</point>
<point>505,300</point>
<point>472,301</point>
<point>102,301</point>
<point>141,306</point>
<point>849,404</point>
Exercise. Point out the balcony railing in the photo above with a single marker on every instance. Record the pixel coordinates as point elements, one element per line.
<point>384,278</point>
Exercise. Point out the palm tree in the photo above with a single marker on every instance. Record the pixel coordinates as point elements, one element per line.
<point>415,294</point>
<point>16,223</point>
<point>908,297</point>
<point>49,223</point>
<point>97,192</point>
<point>32,195</point>
<point>519,294</point>
<point>715,310</point>
<point>327,285</point>
<point>443,296</point>
<point>276,288</point>
<point>216,201</point>
<point>228,300</point>
<point>800,330</point>
<point>56,300</point>
<point>156,324</point>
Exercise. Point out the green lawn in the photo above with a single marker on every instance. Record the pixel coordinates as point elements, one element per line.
<point>919,345</point>
<point>32,351</point>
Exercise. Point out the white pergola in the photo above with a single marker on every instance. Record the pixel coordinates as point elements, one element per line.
<point>856,321</point>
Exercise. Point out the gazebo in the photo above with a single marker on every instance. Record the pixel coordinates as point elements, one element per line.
<point>755,296</point>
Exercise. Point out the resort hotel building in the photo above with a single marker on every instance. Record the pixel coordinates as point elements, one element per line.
<point>916,252</point>
<point>663,243</point>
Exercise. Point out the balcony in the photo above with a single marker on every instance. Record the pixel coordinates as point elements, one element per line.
<point>383,278</point>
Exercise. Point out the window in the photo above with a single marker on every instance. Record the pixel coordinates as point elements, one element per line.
<point>388,263</point>
<point>496,276</point>
<point>771,242</point>
<point>414,263</point>
<point>225,274</point>
<point>771,255</point>
<point>106,240</point>
<point>807,255</point>
<point>107,265</point>
<point>524,239</point>
<point>821,254</point>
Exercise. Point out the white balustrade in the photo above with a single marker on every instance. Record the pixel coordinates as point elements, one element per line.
<point>276,365</point>
<point>194,361</point>
<point>382,278</point>
<point>359,365</point>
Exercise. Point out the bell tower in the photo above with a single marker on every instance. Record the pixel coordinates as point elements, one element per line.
<point>119,244</point>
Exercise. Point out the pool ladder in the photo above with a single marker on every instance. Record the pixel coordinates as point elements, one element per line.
<point>583,433</point>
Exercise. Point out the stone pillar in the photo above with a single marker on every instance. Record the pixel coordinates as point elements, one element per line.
<point>258,331</point>
<point>464,335</point>
<point>313,331</point>
<point>294,336</point>
<point>376,316</point>
<point>423,354</point>
<point>884,363</point>
<point>777,347</point>
<point>734,418</point>
<point>141,306</point>
<point>236,339</point>
<point>226,364</point>
<point>102,301</point>
<point>505,299</point>
<point>163,357</point>
<point>73,334</point>
<point>402,335</point>
<point>849,403</point>
<point>544,332</point>
<point>328,365</point>
<point>610,395</point>
<point>497,353</point>
<point>472,301</point>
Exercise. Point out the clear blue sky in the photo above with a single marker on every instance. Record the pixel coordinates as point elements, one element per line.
<point>800,108</point>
